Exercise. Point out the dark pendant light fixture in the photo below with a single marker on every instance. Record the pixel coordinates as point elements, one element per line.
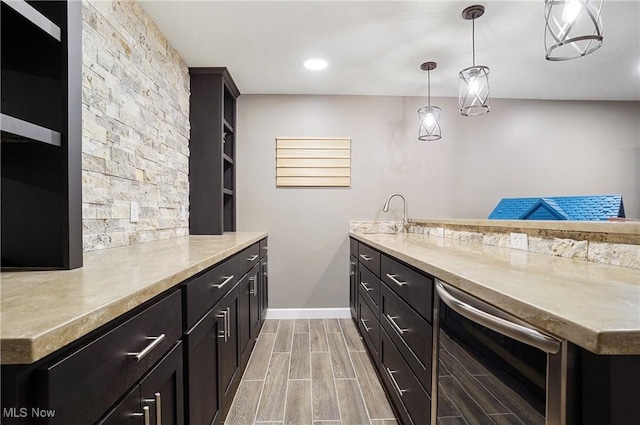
<point>573,28</point>
<point>429,115</point>
<point>473,93</point>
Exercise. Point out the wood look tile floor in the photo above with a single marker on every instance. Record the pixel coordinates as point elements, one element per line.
<point>310,372</point>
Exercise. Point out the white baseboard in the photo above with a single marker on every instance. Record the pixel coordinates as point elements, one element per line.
<point>308,313</point>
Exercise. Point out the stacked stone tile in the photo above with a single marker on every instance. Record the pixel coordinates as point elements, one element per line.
<point>135,118</point>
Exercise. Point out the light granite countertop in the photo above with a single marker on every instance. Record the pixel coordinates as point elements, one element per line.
<point>43,311</point>
<point>596,306</point>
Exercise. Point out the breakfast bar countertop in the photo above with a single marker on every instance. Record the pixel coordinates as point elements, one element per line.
<point>42,311</point>
<point>595,306</point>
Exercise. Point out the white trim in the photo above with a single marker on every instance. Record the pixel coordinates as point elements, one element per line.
<point>309,313</point>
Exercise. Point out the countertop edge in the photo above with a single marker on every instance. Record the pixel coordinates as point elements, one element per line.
<point>600,342</point>
<point>14,351</point>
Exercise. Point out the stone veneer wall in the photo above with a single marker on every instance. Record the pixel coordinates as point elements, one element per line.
<point>616,254</point>
<point>135,128</point>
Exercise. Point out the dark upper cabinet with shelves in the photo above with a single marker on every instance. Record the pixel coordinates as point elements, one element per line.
<point>212,114</point>
<point>41,134</point>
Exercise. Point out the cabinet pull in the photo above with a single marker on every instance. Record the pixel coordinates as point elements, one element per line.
<point>394,382</point>
<point>366,288</point>
<point>144,414</point>
<point>226,280</point>
<point>395,325</point>
<point>227,324</point>
<point>223,315</point>
<point>158,403</point>
<point>154,342</point>
<point>366,257</point>
<point>394,280</point>
<point>364,323</point>
<point>265,248</point>
<point>353,268</point>
<point>253,291</point>
<point>264,269</point>
<point>158,409</point>
<point>252,258</point>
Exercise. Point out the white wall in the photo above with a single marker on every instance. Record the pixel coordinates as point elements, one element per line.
<point>522,148</point>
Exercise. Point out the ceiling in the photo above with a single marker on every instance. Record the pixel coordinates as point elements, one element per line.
<point>376,47</point>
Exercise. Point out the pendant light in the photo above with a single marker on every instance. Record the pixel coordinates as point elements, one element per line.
<point>473,93</point>
<point>429,115</point>
<point>573,28</point>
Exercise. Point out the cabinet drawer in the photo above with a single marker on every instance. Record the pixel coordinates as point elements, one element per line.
<point>370,258</point>
<point>247,258</point>
<point>370,285</point>
<point>264,248</point>
<point>410,332</point>
<point>410,398</point>
<point>202,292</point>
<point>353,247</point>
<point>413,287</point>
<point>82,386</point>
<point>369,326</point>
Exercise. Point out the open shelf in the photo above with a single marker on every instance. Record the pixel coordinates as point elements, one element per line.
<point>35,17</point>
<point>17,130</point>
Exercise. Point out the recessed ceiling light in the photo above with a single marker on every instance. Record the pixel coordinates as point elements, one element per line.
<point>315,64</point>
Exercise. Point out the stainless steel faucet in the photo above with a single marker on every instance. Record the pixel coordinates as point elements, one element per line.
<point>385,208</point>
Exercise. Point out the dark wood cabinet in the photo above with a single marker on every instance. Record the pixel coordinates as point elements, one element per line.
<point>40,123</point>
<point>157,399</point>
<point>178,358</point>
<point>393,305</point>
<point>203,399</point>
<point>229,357</point>
<point>212,173</point>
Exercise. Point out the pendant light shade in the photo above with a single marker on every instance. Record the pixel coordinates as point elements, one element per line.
<point>429,116</point>
<point>573,28</point>
<point>473,86</point>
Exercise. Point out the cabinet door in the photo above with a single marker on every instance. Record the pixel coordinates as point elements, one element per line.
<point>254,301</point>
<point>228,344</point>
<point>127,412</point>
<point>353,286</point>
<point>244,298</point>
<point>264,289</point>
<point>162,390</point>
<point>203,399</point>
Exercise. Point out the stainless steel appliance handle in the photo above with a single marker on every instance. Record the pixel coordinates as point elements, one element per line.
<point>521,333</point>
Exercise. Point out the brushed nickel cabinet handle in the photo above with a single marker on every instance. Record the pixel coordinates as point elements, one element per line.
<point>395,383</point>
<point>154,342</point>
<point>366,257</point>
<point>394,280</point>
<point>158,409</point>
<point>226,280</point>
<point>395,325</point>
<point>364,323</point>
<point>252,258</point>
<point>366,288</point>
<point>253,291</point>
<point>353,268</point>
<point>227,325</point>
<point>223,315</point>
<point>144,414</point>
